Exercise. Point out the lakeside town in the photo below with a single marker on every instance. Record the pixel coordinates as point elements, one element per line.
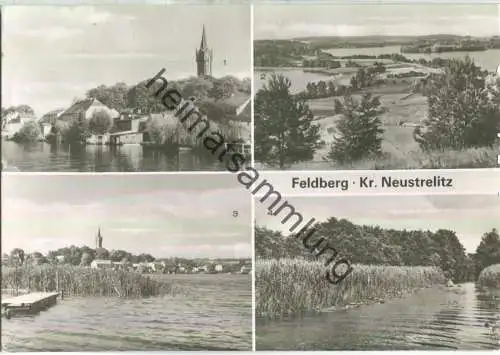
<point>130,115</point>
<point>120,260</point>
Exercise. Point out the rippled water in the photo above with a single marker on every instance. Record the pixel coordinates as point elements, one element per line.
<point>437,318</point>
<point>215,314</point>
<point>50,157</point>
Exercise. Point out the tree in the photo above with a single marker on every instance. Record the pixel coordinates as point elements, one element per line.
<point>488,251</point>
<point>142,98</point>
<point>462,112</point>
<point>284,129</point>
<point>86,259</point>
<point>102,254</point>
<point>358,132</point>
<point>17,256</point>
<point>77,132</point>
<point>100,122</point>
<point>38,258</point>
<point>156,130</point>
<point>112,96</point>
<point>145,258</point>
<point>29,132</point>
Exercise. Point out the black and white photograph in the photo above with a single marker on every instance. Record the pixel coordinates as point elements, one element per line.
<point>77,94</point>
<point>376,86</point>
<point>104,262</point>
<point>419,272</point>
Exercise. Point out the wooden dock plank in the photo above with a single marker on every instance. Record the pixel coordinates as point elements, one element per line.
<point>30,298</point>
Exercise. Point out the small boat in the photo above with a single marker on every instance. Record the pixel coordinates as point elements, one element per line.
<point>494,326</point>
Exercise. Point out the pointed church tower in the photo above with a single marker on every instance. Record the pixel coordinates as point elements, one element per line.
<point>98,239</point>
<point>204,57</point>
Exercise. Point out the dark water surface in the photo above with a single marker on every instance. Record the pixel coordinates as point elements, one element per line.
<point>215,314</point>
<point>437,318</point>
<point>44,157</point>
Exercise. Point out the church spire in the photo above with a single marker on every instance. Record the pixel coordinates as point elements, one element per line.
<point>203,44</point>
<point>98,239</point>
<point>204,57</point>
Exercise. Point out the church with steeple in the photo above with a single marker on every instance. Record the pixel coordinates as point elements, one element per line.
<point>204,57</point>
<point>98,239</point>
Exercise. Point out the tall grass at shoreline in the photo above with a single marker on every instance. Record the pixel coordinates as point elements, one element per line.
<point>490,277</point>
<point>83,281</point>
<point>294,286</point>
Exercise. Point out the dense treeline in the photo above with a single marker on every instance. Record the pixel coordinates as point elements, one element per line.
<point>373,245</point>
<point>73,255</point>
<point>282,53</point>
<point>208,91</point>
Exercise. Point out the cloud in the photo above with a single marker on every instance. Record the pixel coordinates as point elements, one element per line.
<point>55,23</point>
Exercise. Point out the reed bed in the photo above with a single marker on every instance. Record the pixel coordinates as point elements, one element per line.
<point>295,286</point>
<point>490,277</point>
<point>84,281</point>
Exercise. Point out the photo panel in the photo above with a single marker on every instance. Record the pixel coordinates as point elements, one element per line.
<point>126,263</point>
<point>378,273</point>
<point>376,86</point>
<point>125,88</point>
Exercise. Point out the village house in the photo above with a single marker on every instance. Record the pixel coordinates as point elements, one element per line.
<point>13,122</point>
<point>108,264</point>
<point>83,110</point>
<point>48,119</point>
<point>127,129</point>
<point>101,264</point>
<point>246,269</point>
<point>219,267</point>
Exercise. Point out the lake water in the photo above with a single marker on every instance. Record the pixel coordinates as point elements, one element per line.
<point>215,314</point>
<point>488,60</point>
<point>92,158</point>
<point>437,318</point>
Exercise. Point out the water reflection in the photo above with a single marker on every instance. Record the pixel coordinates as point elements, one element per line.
<point>437,318</point>
<point>52,157</point>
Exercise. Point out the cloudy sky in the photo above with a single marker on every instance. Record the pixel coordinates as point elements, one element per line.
<point>469,216</point>
<point>54,54</point>
<point>167,215</point>
<point>275,21</point>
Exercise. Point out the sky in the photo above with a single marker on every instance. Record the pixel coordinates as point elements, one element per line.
<point>275,21</point>
<point>470,216</point>
<point>182,215</point>
<point>52,55</point>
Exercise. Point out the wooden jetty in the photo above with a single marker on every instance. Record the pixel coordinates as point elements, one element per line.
<point>28,304</point>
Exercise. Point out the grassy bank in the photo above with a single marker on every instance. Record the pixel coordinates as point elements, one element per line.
<point>472,158</point>
<point>81,281</point>
<point>295,286</point>
<point>490,277</point>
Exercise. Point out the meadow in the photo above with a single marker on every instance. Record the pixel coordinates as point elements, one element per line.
<point>403,111</point>
<point>83,281</point>
<point>490,277</point>
<point>287,287</point>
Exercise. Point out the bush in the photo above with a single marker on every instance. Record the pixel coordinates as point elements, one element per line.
<point>29,132</point>
<point>100,122</point>
<point>490,277</point>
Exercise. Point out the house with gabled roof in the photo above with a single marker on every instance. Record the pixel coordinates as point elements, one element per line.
<point>84,109</point>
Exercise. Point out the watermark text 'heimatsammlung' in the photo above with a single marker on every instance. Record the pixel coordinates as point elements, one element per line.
<point>197,123</point>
